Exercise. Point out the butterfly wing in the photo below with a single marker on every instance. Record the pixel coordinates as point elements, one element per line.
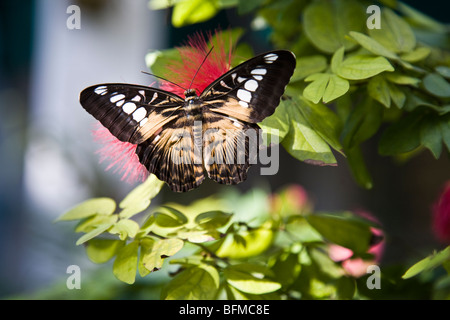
<point>251,91</point>
<point>132,113</point>
<point>234,104</point>
<point>174,154</point>
<point>153,120</point>
<point>229,148</point>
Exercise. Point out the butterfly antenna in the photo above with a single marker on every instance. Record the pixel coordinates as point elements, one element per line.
<point>204,59</point>
<point>154,75</point>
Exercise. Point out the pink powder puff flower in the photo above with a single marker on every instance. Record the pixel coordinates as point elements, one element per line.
<point>192,55</point>
<point>122,155</point>
<point>441,215</point>
<point>357,267</point>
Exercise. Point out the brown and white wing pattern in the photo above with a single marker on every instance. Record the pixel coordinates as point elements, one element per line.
<point>132,113</point>
<point>229,148</point>
<point>173,154</point>
<point>251,91</point>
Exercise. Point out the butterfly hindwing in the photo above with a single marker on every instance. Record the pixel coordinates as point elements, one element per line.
<point>251,91</point>
<point>173,154</point>
<point>229,148</point>
<point>132,113</point>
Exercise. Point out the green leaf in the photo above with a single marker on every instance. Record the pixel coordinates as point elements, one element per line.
<point>103,206</point>
<point>443,71</point>
<point>89,224</point>
<point>401,79</point>
<point>168,217</point>
<point>358,167</point>
<point>326,23</point>
<point>212,219</point>
<point>193,11</point>
<point>346,288</point>
<point>416,55</point>
<point>308,65</point>
<point>378,89</point>
<point>296,133</point>
<point>444,125</point>
<point>337,59</point>
<point>244,243</point>
<point>102,250</point>
<point>436,85</point>
<point>358,67</point>
<point>196,283</point>
<point>362,123</point>
<point>125,228</point>
<point>95,232</point>
<point>397,95</point>
<point>395,34</point>
<point>286,268</point>
<point>372,45</point>
<point>146,245</point>
<point>324,121</point>
<point>250,279</point>
<point>154,258</point>
<point>430,135</point>
<point>429,263</point>
<point>325,86</point>
<point>402,136</point>
<point>157,61</point>
<point>146,227</point>
<point>344,230</point>
<point>124,267</point>
<point>140,197</point>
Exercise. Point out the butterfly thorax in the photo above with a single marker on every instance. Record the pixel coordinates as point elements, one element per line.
<point>192,104</point>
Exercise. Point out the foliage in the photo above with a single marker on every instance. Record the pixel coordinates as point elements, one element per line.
<point>258,251</point>
<point>351,84</point>
<point>392,80</point>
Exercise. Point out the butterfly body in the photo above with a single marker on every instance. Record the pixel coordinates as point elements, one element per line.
<point>179,139</point>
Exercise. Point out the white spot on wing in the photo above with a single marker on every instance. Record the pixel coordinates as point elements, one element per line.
<point>257,77</point>
<point>244,104</point>
<point>139,114</point>
<point>116,98</point>
<point>155,95</point>
<point>271,57</point>
<point>251,85</point>
<point>259,71</point>
<point>244,95</point>
<point>240,79</point>
<point>142,93</point>
<point>101,90</point>
<point>143,121</point>
<point>136,98</point>
<point>223,84</point>
<point>129,107</point>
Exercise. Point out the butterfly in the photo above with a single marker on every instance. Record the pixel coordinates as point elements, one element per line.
<point>178,139</point>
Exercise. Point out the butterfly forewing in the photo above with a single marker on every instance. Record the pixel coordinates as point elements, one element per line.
<point>251,91</point>
<point>132,113</point>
